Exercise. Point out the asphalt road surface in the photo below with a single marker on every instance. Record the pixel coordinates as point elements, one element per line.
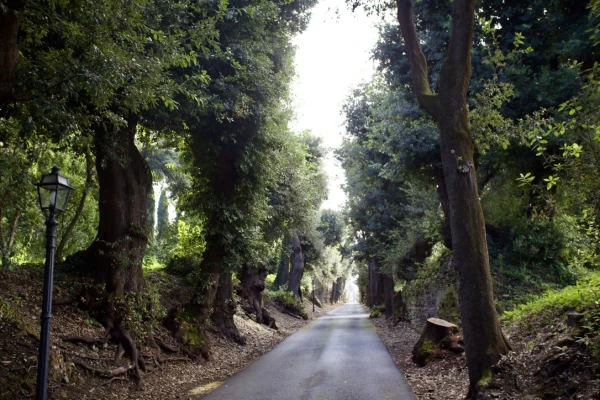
<point>338,356</point>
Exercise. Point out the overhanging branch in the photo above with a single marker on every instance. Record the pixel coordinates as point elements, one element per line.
<point>418,63</point>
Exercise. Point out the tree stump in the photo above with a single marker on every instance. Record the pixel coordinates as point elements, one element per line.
<point>436,331</point>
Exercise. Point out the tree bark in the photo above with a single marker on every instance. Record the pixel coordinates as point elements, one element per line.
<point>375,285</point>
<point>117,253</point>
<point>213,263</point>
<point>283,270</point>
<point>388,295</point>
<point>484,341</point>
<point>297,267</point>
<point>7,246</point>
<point>339,289</point>
<point>9,47</point>
<point>224,310</point>
<point>443,196</point>
<point>252,286</point>
<point>124,181</point>
<point>89,168</point>
<point>333,292</point>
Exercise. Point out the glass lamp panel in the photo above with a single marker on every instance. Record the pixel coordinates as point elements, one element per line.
<point>47,195</point>
<point>49,179</point>
<point>63,180</point>
<point>62,198</point>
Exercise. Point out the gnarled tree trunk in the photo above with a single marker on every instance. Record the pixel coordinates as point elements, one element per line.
<point>124,182</point>
<point>223,182</point>
<point>224,310</point>
<point>339,287</point>
<point>117,253</point>
<point>388,295</point>
<point>297,267</point>
<point>283,270</point>
<point>252,286</point>
<point>484,341</point>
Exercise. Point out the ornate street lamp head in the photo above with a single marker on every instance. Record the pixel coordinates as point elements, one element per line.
<point>54,192</point>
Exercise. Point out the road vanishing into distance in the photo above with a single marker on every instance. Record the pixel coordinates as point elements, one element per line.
<point>338,356</point>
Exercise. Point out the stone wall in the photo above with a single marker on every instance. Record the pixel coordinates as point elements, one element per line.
<point>424,296</point>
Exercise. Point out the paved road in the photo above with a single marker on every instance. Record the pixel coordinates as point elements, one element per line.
<point>338,356</point>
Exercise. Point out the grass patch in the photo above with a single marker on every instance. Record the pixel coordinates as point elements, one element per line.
<point>288,300</point>
<point>377,311</point>
<point>580,297</point>
<point>151,263</point>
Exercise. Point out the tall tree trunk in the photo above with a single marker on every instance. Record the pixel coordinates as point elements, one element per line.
<point>223,182</point>
<point>333,292</point>
<point>117,253</point>
<point>124,182</point>
<point>9,47</point>
<point>224,310</point>
<point>375,284</point>
<point>252,286</point>
<point>443,196</point>
<point>283,270</point>
<point>339,289</point>
<point>297,267</point>
<point>89,177</point>
<point>484,341</point>
<point>388,295</point>
<point>8,245</point>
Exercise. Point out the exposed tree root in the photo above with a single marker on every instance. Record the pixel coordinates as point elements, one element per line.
<point>166,347</point>
<point>81,339</point>
<point>115,378</point>
<point>290,314</point>
<point>105,373</point>
<point>127,347</point>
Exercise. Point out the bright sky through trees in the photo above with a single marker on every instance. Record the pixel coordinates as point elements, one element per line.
<point>333,55</point>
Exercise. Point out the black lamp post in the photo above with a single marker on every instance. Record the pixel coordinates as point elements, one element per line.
<point>53,192</point>
<point>313,293</point>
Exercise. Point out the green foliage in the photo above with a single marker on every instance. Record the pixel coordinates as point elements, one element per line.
<point>143,311</point>
<point>584,297</point>
<point>162,216</point>
<point>191,241</point>
<point>449,310</point>
<point>390,156</point>
<point>580,297</point>
<point>287,300</point>
<point>182,265</point>
<point>7,312</point>
<point>377,311</point>
<point>431,265</point>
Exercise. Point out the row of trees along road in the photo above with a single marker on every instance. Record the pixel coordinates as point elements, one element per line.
<point>460,87</point>
<point>194,96</point>
<point>187,97</point>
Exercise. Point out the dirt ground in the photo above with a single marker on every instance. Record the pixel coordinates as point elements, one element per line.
<point>545,363</point>
<point>176,378</point>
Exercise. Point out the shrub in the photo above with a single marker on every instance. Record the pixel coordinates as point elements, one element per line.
<point>287,300</point>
